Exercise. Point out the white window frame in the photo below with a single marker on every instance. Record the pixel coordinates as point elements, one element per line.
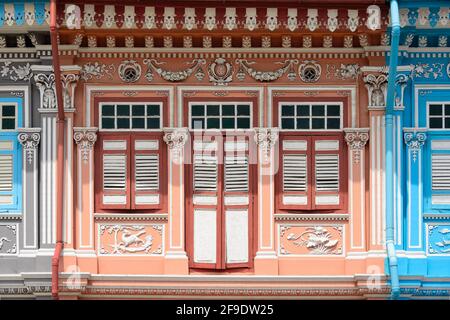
<point>310,117</point>
<point>115,103</point>
<point>442,103</point>
<point>220,103</point>
<point>16,116</point>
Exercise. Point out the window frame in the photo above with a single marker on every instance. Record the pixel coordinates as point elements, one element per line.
<point>443,103</point>
<point>16,116</point>
<point>140,102</point>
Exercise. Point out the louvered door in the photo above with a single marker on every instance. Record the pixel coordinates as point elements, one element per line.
<point>220,234</point>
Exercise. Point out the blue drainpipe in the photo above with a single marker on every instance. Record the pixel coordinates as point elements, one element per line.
<point>393,61</point>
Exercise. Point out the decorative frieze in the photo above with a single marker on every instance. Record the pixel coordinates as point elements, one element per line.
<point>343,72</point>
<point>97,70</point>
<point>266,76</point>
<point>29,138</point>
<point>266,138</point>
<point>356,139</point>
<point>85,138</point>
<point>309,71</point>
<point>414,140</point>
<point>220,72</point>
<point>19,72</point>
<point>174,76</point>
<point>129,71</point>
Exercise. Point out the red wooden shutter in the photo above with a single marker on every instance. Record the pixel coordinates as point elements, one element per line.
<point>114,162</point>
<point>328,166</point>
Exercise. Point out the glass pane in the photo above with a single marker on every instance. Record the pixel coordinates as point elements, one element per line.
<point>108,110</point>
<point>123,123</point>
<point>243,110</point>
<point>287,123</point>
<point>287,110</point>
<point>318,110</point>
<point>228,123</point>
<point>447,123</point>
<point>9,111</point>
<point>123,110</point>
<point>303,111</point>
<point>8,124</point>
<point>197,110</point>
<point>303,123</point>
<point>213,123</point>
<point>318,123</point>
<point>228,110</point>
<point>213,110</point>
<point>138,110</point>
<point>447,108</point>
<point>198,123</point>
<point>435,109</point>
<point>333,111</point>
<point>333,123</point>
<point>153,123</point>
<point>108,123</point>
<point>153,110</point>
<point>243,123</point>
<point>435,123</point>
<point>138,123</point>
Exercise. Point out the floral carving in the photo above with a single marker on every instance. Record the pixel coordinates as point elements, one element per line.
<point>220,72</point>
<point>46,86</point>
<point>21,72</point>
<point>317,239</point>
<point>415,141</point>
<point>85,138</point>
<point>438,239</point>
<point>174,76</point>
<point>356,139</point>
<point>376,85</point>
<point>29,139</point>
<point>96,70</point>
<point>266,138</point>
<point>343,72</point>
<point>266,76</point>
<point>425,70</point>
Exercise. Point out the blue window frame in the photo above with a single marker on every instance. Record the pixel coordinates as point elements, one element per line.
<point>10,156</point>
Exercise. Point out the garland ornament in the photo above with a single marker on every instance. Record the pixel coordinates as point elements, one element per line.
<point>266,76</point>
<point>174,76</point>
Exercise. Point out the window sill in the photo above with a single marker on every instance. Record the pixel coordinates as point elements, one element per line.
<point>311,217</point>
<point>160,217</point>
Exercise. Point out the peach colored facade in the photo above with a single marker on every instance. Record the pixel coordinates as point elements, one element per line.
<point>326,249</point>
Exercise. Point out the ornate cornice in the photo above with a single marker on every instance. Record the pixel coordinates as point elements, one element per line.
<point>85,138</point>
<point>266,138</point>
<point>356,139</point>
<point>414,139</point>
<point>29,138</point>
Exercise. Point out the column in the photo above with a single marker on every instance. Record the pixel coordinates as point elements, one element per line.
<point>176,257</point>
<point>266,260</point>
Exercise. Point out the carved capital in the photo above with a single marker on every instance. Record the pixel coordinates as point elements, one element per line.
<point>266,138</point>
<point>401,80</point>
<point>356,139</point>
<point>176,139</point>
<point>69,83</point>
<point>376,84</point>
<point>29,138</point>
<point>414,139</point>
<point>85,138</point>
<point>46,85</point>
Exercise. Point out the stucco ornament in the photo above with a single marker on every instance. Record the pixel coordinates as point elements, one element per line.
<point>312,22</point>
<point>401,80</point>
<point>376,85</point>
<point>426,70</point>
<point>220,72</point>
<point>356,139</point>
<point>15,73</point>
<point>266,138</point>
<point>266,76</point>
<point>353,20</point>
<point>317,240</point>
<point>343,72</point>
<point>69,81</point>
<point>251,22</point>
<point>448,70</point>
<point>174,76</point>
<point>176,139</point>
<point>292,22</point>
<point>29,139</point>
<point>8,239</point>
<point>332,21</point>
<point>438,239</point>
<point>442,41</point>
<point>409,40</point>
<point>415,141</point>
<point>85,138</point>
<point>96,70</point>
<point>46,86</point>
<point>130,71</point>
<point>309,71</point>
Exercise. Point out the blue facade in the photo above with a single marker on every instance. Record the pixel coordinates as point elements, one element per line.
<point>421,150</point>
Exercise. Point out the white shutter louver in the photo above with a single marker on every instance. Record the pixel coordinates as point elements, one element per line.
<point>205,172</point>
<point>6,173</point>
<point>114,171</point>
<point>236,174</point>
<point>147,172</point>
<point>294,172</point>
<point>327,172</point>
<point>440,171</point>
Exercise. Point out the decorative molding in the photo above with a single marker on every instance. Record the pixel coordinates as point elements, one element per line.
<point>438,239</point>
<point>85,138</point>
<point>309,71</point>
<point>69,83</point>
<point>356,139</point>
<point>8,239</point>
<point>46,85</point>
<point>401,80</point>
<point>129,71</point>
<point>176,139</point>
<point>220,72</point>
<point>266,76</point>
<point>15,73</point>
<point>97,70</point>
<point>427,70</point>
<point>376,84</point>
<point>343,72</point>
<point>174,76</point>
<point>414,139</point>
<point>131,217</point>
<point>29,138</point>
<point>310,217</point>
<point>266,138</point>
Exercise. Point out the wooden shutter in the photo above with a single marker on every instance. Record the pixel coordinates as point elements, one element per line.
<point>8,198</point>
<point>327,172</point>
<point>440,173</point>
<point>146,182</point>
<point>114,160</point>
<point>294,176</point>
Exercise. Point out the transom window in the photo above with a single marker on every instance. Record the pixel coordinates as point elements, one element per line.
<point>310,116</point>
<point>8,117</point>
<point>220,116</point>
<point>439,116</point>
<point>130,116</point>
